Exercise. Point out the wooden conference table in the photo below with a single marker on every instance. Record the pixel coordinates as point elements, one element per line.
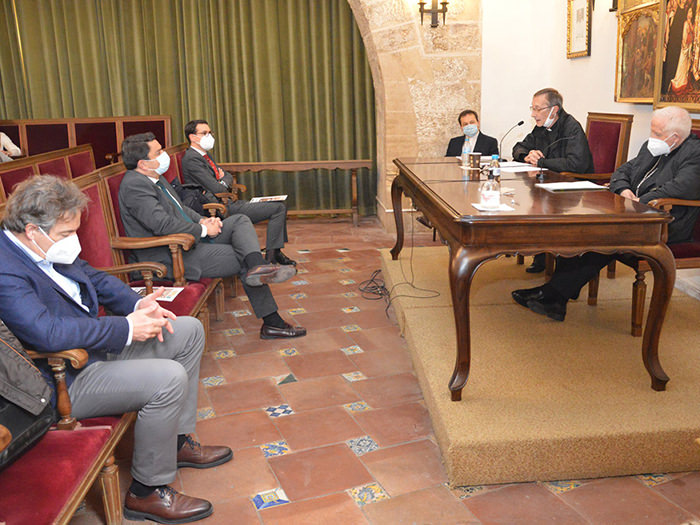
<point>567,223</point>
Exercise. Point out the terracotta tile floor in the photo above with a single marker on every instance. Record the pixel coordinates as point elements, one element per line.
<point>351,441</point>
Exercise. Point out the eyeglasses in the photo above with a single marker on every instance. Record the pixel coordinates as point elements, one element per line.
<point>533,108</point>
<point>202,133</point>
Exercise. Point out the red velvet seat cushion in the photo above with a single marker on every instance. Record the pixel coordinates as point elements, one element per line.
<point>54,167</point>
<point>685,250</point>
<point>93,233</point>
<point>11,178</point>
<point>603,140</point>
<point>185,300</point>
<point>81,163</point>
<point>35,488</point>
<point>172,172</point>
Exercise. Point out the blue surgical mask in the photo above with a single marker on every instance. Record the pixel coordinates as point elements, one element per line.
<point>470,130</point>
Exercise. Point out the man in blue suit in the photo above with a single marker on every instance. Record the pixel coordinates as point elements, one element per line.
<point>142,358</point>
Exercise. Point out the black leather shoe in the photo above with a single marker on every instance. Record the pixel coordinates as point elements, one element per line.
<point>538,264</point>
<point>554,309</point>
<point>523,296</point>
<point>194,455</point>
<point>281,258</point>
<point>166,505</point>
<point>272,332</point>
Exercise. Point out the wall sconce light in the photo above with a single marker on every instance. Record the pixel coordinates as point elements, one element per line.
<point>434,11</point>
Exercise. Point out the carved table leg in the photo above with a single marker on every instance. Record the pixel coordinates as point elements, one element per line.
<point>462,269</point>
<point>396,192</point>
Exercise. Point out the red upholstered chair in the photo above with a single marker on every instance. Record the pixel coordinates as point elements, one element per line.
<point>54,167</point>
<point>50,480</point>
<point>11,177</point>
<point>81,163</point>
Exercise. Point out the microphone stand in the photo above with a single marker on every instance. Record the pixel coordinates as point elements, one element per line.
<point>500,145</point>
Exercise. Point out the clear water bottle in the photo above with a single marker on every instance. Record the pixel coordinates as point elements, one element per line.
<point>466,150</point>
<point>495,168</point>
<point>490,193</point>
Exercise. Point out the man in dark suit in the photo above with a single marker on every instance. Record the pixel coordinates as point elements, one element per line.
<point>142,358</point>
<point>199,168</point>
<point>149,206</point>
<point>667,166</point>
<point>480,143</point>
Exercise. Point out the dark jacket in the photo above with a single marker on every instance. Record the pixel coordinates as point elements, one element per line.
<point>677,176</point>
<point>196,170</point>
<point>485,145</point>
<point>564,146</point>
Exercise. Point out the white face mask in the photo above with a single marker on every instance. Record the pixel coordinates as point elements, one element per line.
<point>658,147</point>
<point>64,251</point>
<point>207,142</point>
<point>550,119</point>
<point>163,163</point>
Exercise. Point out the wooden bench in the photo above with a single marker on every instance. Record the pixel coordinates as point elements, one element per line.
<point>68,163</point>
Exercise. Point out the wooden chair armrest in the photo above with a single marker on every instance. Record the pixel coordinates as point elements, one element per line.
<point>5,437</point>
<point>588,176</point>
<point>77,356</point>
<point>667,203</point>
<point>147,268</point>
<point>214,208</point>
<point>112,158</point>
<point>184,240</point>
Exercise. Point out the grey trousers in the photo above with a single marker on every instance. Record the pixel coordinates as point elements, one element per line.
<point>159,380</point>
<point>224,257</point>
<point>275,212</point>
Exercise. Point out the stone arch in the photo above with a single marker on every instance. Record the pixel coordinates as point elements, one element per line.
<point>423,77</point>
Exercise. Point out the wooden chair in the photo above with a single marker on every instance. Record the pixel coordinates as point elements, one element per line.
<point>50,480</point>
<point>685,254</point>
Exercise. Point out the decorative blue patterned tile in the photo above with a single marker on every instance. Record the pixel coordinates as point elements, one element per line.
<point>289,352</point>
<point>354,376</point>
<point>298,296</point>
<point>301,271</point>
<point>468,491</point>
<point>350,328</point>
<point>560,487</point>
<point>345,270</point>
<point>303,251</point>
<point>233,331</point>
<point>224,354</point>
<point>357,406</point>
<point>286,378</point>
<point>651,480</point>
<point>354,349</point>
<point>342,250</point>
<point>300,283</point>
<point>271,498</point>
<point>296,311</point>
<point>346,282</point>
<point>370,493</point>
<point>205,413</point>
<point>243,298</point>
<point>240,313</point>
<point>279,411</point>
<point>360,446</point>
<point>276,448</point>
<point>302,260</point>
<point>213,381</point>
<point>351,309</point>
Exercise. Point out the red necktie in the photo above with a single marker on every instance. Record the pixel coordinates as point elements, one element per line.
<point>213,166</point>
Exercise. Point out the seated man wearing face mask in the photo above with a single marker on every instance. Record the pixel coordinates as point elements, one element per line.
<point>479,143</point>
<point>667,166</point>
<point>199,168</point>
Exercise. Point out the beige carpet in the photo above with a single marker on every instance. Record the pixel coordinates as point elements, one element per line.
<point>548,400</point>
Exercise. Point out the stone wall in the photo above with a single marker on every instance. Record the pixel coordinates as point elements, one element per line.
<point>423,77</point>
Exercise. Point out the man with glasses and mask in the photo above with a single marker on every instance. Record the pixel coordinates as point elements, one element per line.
<point>557,143</point>
<point>141,358</point>
<point>198,168</point>
<point>149,206</point>
<point>471,129</point>
<point>667,166</point>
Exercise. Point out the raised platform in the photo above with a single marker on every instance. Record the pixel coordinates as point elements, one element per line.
<point>548,400</point>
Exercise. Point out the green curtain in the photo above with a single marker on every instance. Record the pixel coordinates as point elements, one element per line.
<point>276,79</point>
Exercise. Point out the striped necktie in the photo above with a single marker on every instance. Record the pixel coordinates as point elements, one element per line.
<point>174,200</point>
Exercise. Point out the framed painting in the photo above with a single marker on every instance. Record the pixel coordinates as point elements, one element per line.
<point>677,75</point>
<point>578,28</point>
<point>637,34</point>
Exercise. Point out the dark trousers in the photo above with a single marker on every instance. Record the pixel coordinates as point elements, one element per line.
<point>572,273</point>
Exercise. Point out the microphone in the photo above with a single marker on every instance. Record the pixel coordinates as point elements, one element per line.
<point>546,150</point>
<point>500,144</point>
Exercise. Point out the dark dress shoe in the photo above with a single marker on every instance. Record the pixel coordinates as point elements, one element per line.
<point>552,308</point>
<point>523,296</point>
<point>268,273</point>
<point>194,455</point>
<point>272,332</point>
<point>281,258</point>
<point>166,505</point>
<point>538,264</point>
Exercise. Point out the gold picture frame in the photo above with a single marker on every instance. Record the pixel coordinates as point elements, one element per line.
<point>578,28</point>
<point>637,34</point>
<point>677,75</point>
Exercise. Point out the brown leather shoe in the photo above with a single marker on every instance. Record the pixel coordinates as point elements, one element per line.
<point>194,455</point>
<point>166,505</point>
<point>272,332</point>
<point>269,273</point>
